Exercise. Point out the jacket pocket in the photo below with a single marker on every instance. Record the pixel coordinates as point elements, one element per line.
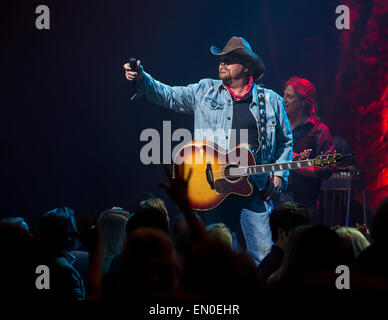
<point>212,104</point>
<point>212,111</point>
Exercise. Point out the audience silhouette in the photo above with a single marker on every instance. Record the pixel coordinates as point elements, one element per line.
<point>132,257</point>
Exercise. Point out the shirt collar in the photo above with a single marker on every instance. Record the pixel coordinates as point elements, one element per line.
<point>245,94</point>
<point>220,86</point>
<point>309,120</point>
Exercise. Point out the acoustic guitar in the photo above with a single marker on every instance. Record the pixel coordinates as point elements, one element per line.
<point>215,174</point>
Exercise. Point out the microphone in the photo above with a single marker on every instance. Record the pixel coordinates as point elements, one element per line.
<point>133,65</point>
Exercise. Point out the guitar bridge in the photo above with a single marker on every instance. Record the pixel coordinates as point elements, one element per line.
<point>209,175</point>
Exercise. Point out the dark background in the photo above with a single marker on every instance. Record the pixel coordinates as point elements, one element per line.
<point>70,135</point>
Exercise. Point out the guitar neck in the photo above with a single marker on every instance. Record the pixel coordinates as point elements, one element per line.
<point>264,168</point>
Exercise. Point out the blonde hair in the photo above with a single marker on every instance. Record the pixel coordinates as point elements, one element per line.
<point>154,202</point>
<point>355,238</point>
<point>111,228</point>
<point>220,233</point>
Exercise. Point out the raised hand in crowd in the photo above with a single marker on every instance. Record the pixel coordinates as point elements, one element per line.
<point>177,190</point>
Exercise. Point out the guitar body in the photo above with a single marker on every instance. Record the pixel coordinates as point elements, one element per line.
<point>209,184</point>
<point>216,174</point>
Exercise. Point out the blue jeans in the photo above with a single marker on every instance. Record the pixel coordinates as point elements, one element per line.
<point>248,219</point>
<point>256,231</point>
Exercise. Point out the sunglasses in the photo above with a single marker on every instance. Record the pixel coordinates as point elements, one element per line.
<point>231,60</point>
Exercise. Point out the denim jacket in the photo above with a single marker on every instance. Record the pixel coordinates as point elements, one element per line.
<point>212,106</point>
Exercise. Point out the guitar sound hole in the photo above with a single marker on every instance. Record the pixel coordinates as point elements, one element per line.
<point>227,173</point>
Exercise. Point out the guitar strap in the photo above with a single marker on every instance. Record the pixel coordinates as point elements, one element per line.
<point>262,121</point>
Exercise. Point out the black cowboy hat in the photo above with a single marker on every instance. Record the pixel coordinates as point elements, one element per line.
<point>240,47</point>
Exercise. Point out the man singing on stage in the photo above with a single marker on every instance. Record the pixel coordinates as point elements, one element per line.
<point>235,102</point>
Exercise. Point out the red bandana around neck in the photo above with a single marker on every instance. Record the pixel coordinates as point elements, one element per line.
<point>236,96</point>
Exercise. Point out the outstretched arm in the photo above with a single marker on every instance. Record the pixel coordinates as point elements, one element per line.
<point>177,98</point>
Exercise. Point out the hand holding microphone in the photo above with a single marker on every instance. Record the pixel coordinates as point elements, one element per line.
<point>133,70</point>
<point>134,73</point>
